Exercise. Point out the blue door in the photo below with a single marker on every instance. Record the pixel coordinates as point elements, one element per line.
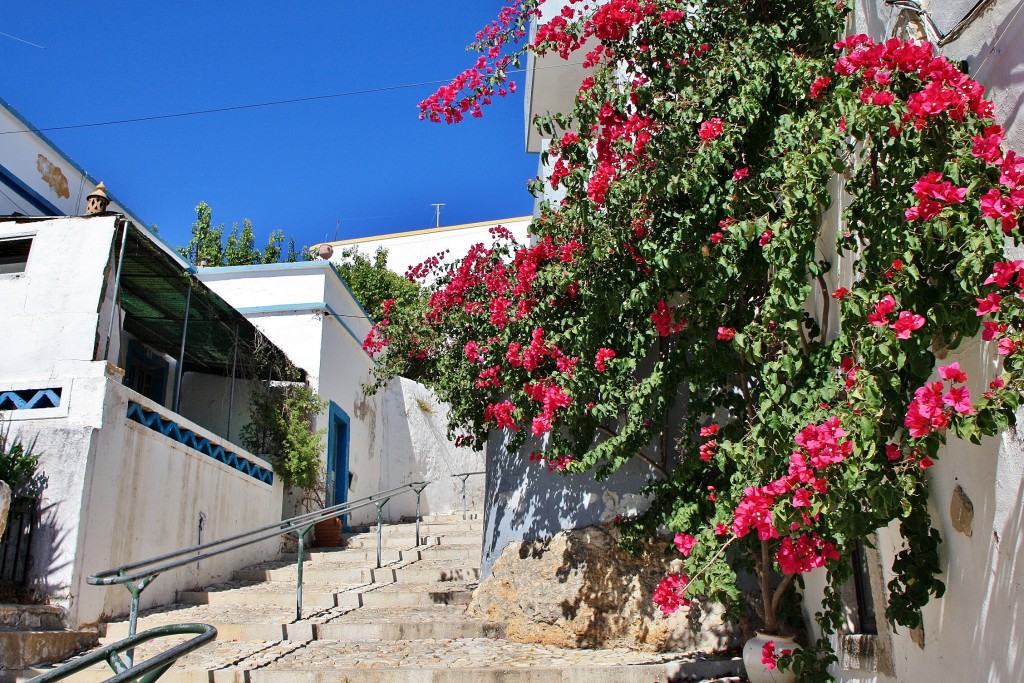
<point>337,458</point>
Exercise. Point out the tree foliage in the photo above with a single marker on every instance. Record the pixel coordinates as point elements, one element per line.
<point>208,244</point>
<point>373,284</point>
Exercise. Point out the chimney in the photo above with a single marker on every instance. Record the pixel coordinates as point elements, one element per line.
<point>98,201</point>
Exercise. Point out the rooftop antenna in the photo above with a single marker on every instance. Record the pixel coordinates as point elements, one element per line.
<point>337,227</point>
<point>437,214</point>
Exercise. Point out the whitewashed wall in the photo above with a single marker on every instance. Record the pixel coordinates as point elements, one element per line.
<point>976,631</point>
<point>417,448</point>
<point>407,249</point>
<point>51,311</point>
<point>117,492</point>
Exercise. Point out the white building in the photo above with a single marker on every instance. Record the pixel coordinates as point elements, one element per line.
<point>107,337</point>
<point>409,249</point>
<point>37,178</point>
<point>374,443</point>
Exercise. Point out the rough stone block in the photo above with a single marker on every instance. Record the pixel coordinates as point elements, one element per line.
<point>578,589</point>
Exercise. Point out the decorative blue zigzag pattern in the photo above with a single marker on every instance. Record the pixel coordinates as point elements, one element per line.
<point>187,437</point>
<point>30,399</point>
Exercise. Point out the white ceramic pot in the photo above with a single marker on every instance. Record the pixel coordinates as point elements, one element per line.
<point>757,672</point>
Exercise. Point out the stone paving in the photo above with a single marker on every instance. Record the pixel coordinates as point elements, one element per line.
<point>393,627</point>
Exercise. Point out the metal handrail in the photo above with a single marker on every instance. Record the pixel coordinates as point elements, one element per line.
<point>464,476</point>
<point>144,672</point>
<point>136,576</point>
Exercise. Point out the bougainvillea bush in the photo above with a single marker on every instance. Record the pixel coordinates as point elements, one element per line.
<point>683,286</point>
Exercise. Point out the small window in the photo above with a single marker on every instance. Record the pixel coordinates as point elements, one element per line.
<point>14,255</point>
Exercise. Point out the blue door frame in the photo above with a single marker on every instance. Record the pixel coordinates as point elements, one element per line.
<point>337,458</point>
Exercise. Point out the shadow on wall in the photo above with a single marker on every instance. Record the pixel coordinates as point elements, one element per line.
<point>998,620</point>
<point>48,539</point>
<point>523,501</point>
<point>417,448</point>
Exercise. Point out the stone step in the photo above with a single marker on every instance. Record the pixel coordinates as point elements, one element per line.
<point>438,528</point>
<point>408,541</point>
<point>23,649</point>
<point>320,595</point>
<point>323,572</point>
<point>417,594</point>
<point>471,515</point>
<point>274,593</point>
<point>270,623</point>
<point>356,556</point>
<point>458,660</point>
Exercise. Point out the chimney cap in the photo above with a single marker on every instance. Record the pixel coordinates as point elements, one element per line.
<point>100,191</point>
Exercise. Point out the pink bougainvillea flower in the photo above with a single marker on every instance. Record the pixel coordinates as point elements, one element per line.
<point>893,452</point>
<point>1004,272</point>
<point>959,398</point>
<point>726,333</point>
<point>1006,346</point>
<point>740,173</point>
<point>906,323</point>
<point>710,430</point>
<point>840,293</point>
<point>769,659</point>
<point>819,86</point>
<point>880,316</point>
<point>502,414</point>
<point>802,498</point>
<point>953,373</point>
<point>765,238</point>
<point>989,304</point>
<point>603,356</point>
<point>711,129</point>
<point>685,543</point>
<point>668,596</point>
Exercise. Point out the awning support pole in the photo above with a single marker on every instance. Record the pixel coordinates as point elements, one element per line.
<point>115,300</point>
<point>231,396</point>
<point>181,355</point>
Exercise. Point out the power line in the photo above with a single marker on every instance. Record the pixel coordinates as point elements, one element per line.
<point>256,105</point>
<point>21,40</point>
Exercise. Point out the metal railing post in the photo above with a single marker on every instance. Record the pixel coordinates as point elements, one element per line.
<point>380,528</point>
<point>133,618</point>
<point>298,571</point>
<point>418,492</point>
<point>464,476</point>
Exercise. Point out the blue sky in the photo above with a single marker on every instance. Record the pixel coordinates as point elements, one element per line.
<point>365,159</point>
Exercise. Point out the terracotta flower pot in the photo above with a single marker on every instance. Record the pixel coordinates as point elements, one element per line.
<point>753,656</point>
<point>328,533</point>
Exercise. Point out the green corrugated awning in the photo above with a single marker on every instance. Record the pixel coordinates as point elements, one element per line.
<point>155,295</point>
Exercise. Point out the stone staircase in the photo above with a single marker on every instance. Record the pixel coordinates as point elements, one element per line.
<point>403,623</point>
<point>36,633</point>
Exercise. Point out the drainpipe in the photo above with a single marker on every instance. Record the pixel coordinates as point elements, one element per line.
<point>115,306</point>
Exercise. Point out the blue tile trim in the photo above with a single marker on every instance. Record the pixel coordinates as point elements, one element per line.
<point>30,399</point>
<point>187,437</point>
